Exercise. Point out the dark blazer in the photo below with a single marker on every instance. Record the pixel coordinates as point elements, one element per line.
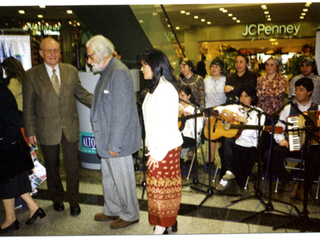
<point>44,113</point>
<point>114,114</point>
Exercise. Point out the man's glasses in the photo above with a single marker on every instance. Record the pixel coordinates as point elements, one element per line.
<point>48,51</point>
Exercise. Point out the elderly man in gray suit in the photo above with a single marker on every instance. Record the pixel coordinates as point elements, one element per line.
<point>117,133</point>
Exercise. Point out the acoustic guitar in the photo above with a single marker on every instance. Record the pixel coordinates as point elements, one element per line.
<point>221,127</point>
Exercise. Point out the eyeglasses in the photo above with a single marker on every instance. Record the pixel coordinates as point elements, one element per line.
<point>90,56</point>
<point>48,51</point>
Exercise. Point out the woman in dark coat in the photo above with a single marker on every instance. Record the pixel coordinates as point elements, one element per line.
<point>242,76</point>
<point>15,162</point>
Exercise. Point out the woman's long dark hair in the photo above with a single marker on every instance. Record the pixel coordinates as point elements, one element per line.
<point>14,69</point>
<point>160,66</point>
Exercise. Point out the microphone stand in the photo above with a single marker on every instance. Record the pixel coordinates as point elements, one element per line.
<point>303,218</point>
<point>197,110</point>
<point>209,191</point>
<point>143,157</point>
<point>208,113</point>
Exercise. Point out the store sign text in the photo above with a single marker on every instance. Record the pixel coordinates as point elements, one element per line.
<point>47,29</point>
<point>257,29</point>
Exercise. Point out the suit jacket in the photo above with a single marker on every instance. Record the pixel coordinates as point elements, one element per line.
<point>114,115</point>
<point>44,113</point>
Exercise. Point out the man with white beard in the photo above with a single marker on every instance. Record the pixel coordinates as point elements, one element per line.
<point>116,128</point>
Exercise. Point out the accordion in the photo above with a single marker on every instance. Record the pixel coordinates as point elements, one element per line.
<point>296,134</point>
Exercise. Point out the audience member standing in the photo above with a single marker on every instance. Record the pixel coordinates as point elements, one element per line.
<point>15,162</point>
<point>309,69</point>
<point>193,80</point>
<point>214,92</point>
<point>163,140</point>
<point>242,76</point>
<point>117,133</point>
<point>50,116</point>
<point>271,91</point>
<point>201,66</point>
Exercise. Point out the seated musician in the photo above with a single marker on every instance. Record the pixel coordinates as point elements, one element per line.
<point>239,155</point>
<point>303,90</point>
<point>187,127</point>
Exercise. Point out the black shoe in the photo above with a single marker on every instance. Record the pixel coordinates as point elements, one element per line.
<point>39,213</point>
<point>74,211</point>
<point>14,226</point>
<point>175,227</point>
<point>58,206</point>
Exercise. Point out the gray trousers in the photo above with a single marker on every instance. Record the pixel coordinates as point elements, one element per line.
<point>119,188</point>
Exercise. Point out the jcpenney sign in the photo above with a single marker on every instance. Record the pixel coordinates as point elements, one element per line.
<point>257,29</point>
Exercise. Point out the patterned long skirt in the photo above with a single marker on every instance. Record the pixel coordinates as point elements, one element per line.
<point>164,190</point>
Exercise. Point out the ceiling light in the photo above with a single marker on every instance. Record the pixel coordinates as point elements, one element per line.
<point>238,21</point>
<point>308,4</point>
<point>234,18</point>
<point>21,11</point>
<point>208,22</point>
<point>269,19</point>
<point>140,21</point>
<point>264,6</point>
<point>195,17</point>
<point>230,14</point>
<point>221,9</point>
<point>40,16</point>
<point>70,23</point>
<point>42,6</point>
<point>203,20</point>
<point>69,11</point>
<point>225,11</point>
<point>301,17</point>
<point>182,11</point>
<point>187,13</point>
<point>177,28</point>
<point>268,16</point>
<point>305,10</point>
<point>266,12</point>
<point>168,25</point>
<point>303,14</point>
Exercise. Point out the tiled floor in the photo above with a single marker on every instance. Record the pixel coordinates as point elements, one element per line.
<point>203,210</point>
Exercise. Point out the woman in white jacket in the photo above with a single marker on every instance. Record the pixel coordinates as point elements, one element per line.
<point>163,140</point>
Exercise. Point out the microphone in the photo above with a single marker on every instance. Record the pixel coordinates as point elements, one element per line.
<point>233,99</point>
<point>292,97</point>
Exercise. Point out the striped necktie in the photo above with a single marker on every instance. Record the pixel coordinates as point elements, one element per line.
<point>55,82</point>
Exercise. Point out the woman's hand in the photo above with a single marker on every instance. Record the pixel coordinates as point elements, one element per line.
<point>152,163</point>
<point>228,88</point>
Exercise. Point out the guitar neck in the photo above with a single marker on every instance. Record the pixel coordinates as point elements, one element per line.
<point>189,117</point>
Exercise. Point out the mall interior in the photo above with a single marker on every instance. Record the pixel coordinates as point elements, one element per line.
<point>287,30</point>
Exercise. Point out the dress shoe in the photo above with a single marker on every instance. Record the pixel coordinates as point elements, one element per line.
<point>228,176</point>
<point>14,226</point>
<point>120,223</point>
<point>74,211</point>
<point>58,206</point>
<point>39,213</point>
<point>102,217</point>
